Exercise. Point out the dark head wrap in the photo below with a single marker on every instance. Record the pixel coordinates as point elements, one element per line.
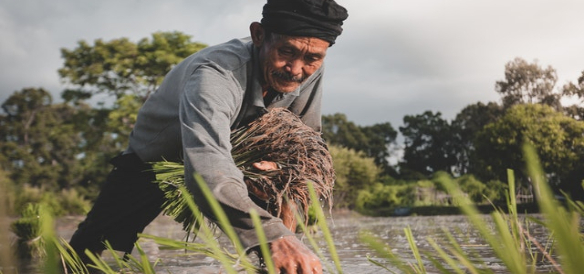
<point>309,18</point>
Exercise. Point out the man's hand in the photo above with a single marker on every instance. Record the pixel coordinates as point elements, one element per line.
<point>291,256</point>
<point>288,208</point>
<point>265,165</point>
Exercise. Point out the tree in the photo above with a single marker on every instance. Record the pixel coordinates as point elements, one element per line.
<point>575,90</point>
<point>428,144</point>
<point>337,130</point>
<point>38,140</point>
<point>528,83</point>
<point>121,120</point>
<point>127,71</point>
<point>374,141</point>
<point>380,139</point>
<point>119,66</point>
<point>468,122</point>
<point>558,139</point>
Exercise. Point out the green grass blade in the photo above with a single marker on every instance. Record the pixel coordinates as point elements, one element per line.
<point>263,241</point>
<point>48,236</point>
<point>207,234</point>
<point>324,228</point>
<point>412,242</point>
<point>384,251</point>
<point>504,250</point>
<point>371,260</point>
<point>457,251</point>
<point>313,242</point>
<point>445,257</point>
<point>564,224</point>
<point>222,218</point>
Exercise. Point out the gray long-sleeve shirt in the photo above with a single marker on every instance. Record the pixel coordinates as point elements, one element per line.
<point>191,116</point>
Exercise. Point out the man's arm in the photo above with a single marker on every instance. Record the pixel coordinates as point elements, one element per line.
<point>210,101</point>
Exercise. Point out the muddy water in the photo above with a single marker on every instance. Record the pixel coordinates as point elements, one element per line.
<point>345,229</point>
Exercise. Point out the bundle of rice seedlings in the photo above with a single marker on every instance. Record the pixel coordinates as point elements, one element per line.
<point>27,228</point>
<point>278,136</point>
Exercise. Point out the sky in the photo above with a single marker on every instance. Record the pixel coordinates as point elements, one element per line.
<point>394,58</point>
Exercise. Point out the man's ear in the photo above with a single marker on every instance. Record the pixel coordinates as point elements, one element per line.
<point>257,33</point>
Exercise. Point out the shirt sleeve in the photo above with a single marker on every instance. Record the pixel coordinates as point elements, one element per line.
<point>211,99</point>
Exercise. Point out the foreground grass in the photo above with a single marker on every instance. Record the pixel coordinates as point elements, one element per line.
<point>507,235</point>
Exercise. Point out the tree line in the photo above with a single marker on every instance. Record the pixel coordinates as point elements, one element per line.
<point>67,145</point>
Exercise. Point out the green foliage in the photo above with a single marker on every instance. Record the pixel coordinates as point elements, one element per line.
<point>170,177</point>
<point>68,145</point>
<point>479,192</point>
<point>564,223</point>
<point>40,140</point>
<point>558,139</point>
<point>63,202</point>
<point>468,122</point>
<point>27,229</point>
<point>119,66</point>
<point>337,130</point>
<point>121,120</point>
<point>354,172</point>
<point>575,91</point>
<point>384,196</point>
<point>381,197</point>
<point>374,141</point>
<point>428,144</point>
<point>527,83</point>
<point>7,194</point>
<point>508,235</point>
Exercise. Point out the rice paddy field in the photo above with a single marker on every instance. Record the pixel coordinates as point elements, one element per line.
<point>345,228</point>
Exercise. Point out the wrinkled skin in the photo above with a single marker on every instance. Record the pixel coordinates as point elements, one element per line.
<point>292,256</point>
<point>289,254</point>
<point>288,61</point>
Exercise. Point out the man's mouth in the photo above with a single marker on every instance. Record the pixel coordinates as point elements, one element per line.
<point>287,77</point>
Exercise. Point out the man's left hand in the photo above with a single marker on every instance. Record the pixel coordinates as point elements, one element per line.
<point>291,256</point>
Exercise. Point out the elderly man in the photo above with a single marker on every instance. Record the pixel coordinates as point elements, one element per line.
<point>190,118</point>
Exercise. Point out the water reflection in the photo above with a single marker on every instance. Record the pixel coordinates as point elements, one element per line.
<point>345,228</point>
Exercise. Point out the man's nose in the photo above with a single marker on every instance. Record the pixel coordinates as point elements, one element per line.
<point>294,67</point>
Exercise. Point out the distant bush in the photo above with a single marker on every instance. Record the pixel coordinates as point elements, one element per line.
<point>65,202</point>
<point>480,192</point>
<point>427,192</point>
<point>380,196</point>
<point>354,172</point>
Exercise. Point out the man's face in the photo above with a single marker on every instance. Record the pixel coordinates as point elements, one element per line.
<point>287,60</point>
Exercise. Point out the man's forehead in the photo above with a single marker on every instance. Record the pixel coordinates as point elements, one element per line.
<point>314,44</point>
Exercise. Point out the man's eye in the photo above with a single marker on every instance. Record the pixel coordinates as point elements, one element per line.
<point>312,58</point>
<point>286,52</point>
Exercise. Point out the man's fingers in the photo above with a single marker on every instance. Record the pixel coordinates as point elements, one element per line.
<point>311,266</point>
<point>265,165</point>
<point>292,256</point>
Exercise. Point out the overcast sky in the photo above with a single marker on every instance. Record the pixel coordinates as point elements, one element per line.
<point>394,58</point>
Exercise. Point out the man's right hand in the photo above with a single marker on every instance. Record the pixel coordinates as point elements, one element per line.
<point>291,256</point>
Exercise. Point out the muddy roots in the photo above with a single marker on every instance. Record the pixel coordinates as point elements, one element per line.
<point>301,155</point>
<point>278,136</point>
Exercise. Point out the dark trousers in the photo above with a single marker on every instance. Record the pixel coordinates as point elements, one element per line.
<point>127,203</point>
